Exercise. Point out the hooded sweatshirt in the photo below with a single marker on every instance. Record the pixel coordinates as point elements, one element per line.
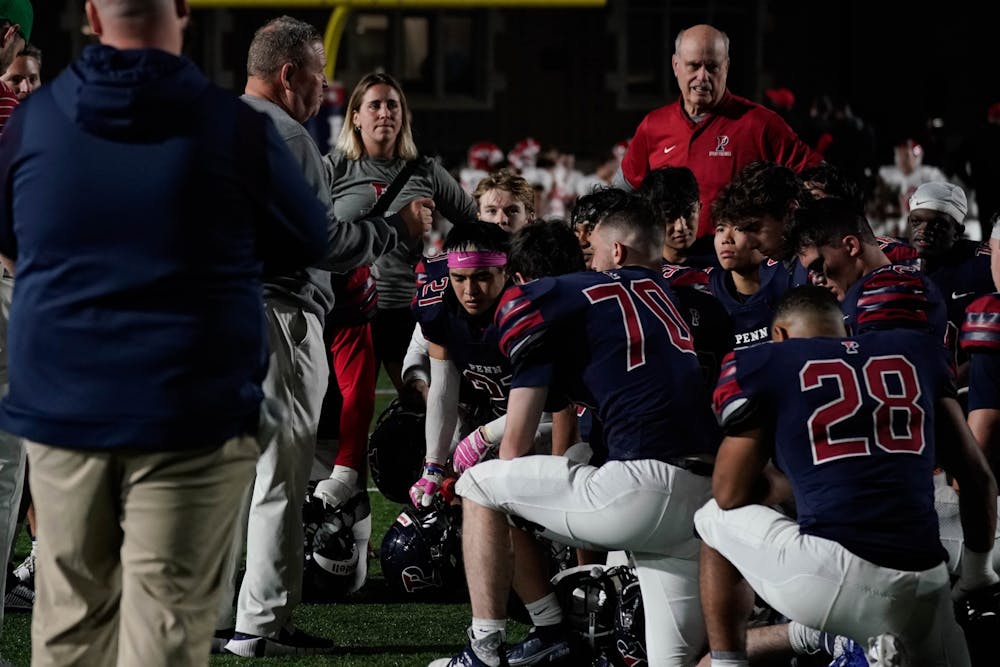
<point>142,204</point>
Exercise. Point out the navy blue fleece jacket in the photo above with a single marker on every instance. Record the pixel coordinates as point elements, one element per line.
<point>141,204</point>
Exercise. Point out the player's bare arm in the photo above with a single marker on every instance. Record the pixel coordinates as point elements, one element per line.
<point>739,478</point>
<point>985,426</point>
<point>524,411</point>
<point>565,430</point>
<point>958,453</point>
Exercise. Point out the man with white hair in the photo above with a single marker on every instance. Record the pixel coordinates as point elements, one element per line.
<point>958,267</point>
<point>709,129</point>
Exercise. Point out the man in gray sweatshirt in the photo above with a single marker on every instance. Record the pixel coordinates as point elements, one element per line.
<point>286,80</point>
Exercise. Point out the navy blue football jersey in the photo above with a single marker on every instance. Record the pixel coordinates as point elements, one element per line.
<point>710,323</point>
<point>429,269</point>
<point>617,342</point>
<point>473,345</point>
<point>853,427</point>
<point>961,275</point>
<point>893,297</point>
<point>751,313</point>
<point>981,341</point>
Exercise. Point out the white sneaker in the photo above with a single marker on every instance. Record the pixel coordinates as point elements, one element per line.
<point>288,642</point>
<point>886,650</point>
<point>26,570</point>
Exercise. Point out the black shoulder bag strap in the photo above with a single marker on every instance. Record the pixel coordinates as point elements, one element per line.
<point>390,194</point>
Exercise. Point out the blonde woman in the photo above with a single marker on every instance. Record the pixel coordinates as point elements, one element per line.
<point>374,146</point>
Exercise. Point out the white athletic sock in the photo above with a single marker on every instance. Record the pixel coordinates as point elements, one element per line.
<point>545,611</point>
<point>976,571</point>
<point>486,637</point>
<point>729,659</point>
<point>804,640</point>
<point>484,627</point>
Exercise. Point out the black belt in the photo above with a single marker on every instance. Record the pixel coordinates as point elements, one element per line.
<point>693,466</point>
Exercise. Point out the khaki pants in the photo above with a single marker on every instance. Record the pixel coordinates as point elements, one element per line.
<point>134,548</point>
<point>296,381</point>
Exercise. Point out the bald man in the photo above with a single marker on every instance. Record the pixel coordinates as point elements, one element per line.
<point>709,130</point>
<point>136,385</point>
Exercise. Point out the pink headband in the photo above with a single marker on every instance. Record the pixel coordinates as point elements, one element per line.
<point>475,259</point>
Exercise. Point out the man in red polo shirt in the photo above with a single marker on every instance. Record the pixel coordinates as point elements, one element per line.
<point>709,130</point>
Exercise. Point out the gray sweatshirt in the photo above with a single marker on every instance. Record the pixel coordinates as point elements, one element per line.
<point>349,244</point>
<point>357,184</point>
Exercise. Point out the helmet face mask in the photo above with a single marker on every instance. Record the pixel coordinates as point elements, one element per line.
<point>330,549</point>
<point>589,595</point>
<point>421,552</point>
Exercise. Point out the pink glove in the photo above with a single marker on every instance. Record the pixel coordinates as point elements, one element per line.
<point>422,493</point>
<point>471,450</point>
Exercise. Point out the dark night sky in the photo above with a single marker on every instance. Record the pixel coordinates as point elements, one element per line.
<point>896,63</point>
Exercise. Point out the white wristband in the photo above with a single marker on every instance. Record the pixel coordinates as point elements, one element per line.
<point>977,569</point>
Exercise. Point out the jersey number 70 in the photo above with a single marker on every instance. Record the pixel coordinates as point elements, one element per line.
<point>898,419</point>
<point>656,301</point>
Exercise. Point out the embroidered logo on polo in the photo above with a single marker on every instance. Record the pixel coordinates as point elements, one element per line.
<point>721,142</point>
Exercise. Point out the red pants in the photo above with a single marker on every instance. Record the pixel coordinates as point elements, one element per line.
<point>354,365</point>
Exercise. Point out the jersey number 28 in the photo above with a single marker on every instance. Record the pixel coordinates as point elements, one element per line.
<point>898,417</point>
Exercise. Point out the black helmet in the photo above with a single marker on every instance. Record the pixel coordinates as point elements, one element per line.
<point>979,616</point>
<point>588,595</point>
<point>422,550</point>
<point>396,451</point>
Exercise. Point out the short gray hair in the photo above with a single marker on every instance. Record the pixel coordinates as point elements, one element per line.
<point>277,42</point>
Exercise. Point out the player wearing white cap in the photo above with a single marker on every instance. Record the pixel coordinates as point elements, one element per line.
<point>958,267</point>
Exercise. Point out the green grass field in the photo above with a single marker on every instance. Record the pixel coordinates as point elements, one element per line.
<point>373,627</point>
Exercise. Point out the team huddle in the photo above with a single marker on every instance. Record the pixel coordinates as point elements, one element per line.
<point>711,419</point>
<point>822,484</point>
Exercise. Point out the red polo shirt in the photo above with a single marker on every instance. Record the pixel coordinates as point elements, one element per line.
<point>736,133</point>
